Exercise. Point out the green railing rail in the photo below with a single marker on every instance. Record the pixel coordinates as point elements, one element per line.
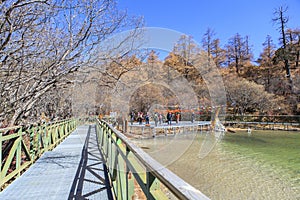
<point>264,118</point>
<point>131,169</point>
<point>253,118</point>
<point>21,146</point>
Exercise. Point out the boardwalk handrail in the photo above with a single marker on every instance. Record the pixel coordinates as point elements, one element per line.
<point>129,164</point>
<point>21,146</point>
<point>255,118</point>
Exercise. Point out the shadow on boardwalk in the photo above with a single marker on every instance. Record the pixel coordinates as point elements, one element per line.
<point>91,179</point>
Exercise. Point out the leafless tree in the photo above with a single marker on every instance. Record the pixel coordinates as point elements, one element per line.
<point>207,41</point>
<point>281,20</point>
<point>248,97</point>
<point>218,53</point>
<point>294,46</point>
<point>212,46</point>
<point>43,42</point>
<point>239,52</point>
<point>265,59</point>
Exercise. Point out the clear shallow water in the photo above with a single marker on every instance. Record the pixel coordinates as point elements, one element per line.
<point>265,165</point>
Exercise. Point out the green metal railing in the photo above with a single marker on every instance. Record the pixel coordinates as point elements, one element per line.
<point>264,118</point>
<point>132,171</point>
<point>253,118</point>
<point>21,146</point>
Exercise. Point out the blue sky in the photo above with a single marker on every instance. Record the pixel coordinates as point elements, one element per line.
<point>225,17</point>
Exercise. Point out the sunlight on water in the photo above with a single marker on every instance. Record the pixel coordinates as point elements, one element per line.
<point>265,165</point>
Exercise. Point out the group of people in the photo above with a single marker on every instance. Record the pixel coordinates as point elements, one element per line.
<point>141,116</point>
<point>157,117</point>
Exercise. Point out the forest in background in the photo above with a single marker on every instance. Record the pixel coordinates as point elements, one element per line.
<point>49,48</point>
<point>266,86</point>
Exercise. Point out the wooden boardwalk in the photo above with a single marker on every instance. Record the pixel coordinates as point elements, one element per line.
<point>164,129</point>
<point>73,170</point>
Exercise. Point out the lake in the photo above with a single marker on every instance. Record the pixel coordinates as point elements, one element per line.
<point>263,165</point>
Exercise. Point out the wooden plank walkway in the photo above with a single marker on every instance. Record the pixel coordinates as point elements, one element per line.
<point>73,170</point>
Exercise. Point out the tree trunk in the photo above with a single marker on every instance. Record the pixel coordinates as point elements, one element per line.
<point>297,59</point>
<point>15,117</point>
<point>237,65</point>
<point>29,103</point>
<point>288,75</point>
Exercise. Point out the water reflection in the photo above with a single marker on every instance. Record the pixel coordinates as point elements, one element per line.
<point>167,149</point>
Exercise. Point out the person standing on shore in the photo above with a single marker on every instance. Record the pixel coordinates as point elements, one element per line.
<point>140,117</point>
<point>147,118</point>
<point>177,118</point>
<point>155,119</point>
<point>169,118</point>
<point>160,116</point>
<point>131,117</point>
<point>193,117</point>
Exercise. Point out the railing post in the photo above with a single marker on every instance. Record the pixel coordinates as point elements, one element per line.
<point>127,173</point>
<point>66,128</point>
<point>18,151</point>
<point>47,137</point>
<point>57,132</point>
<point>52,135</point>
<point>149,180</point>
<point>101,135</point>
<point>32,143</point>
<point>129,177</point>
<point>110,143</point>
<point>43,137</point>
<point>106,141</point>
<point>61,131</point>
<point>41,141</point>
<point>74,122</point>
<point>1,178</point>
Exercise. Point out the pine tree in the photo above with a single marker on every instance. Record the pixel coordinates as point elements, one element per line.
<point>266,57</point>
